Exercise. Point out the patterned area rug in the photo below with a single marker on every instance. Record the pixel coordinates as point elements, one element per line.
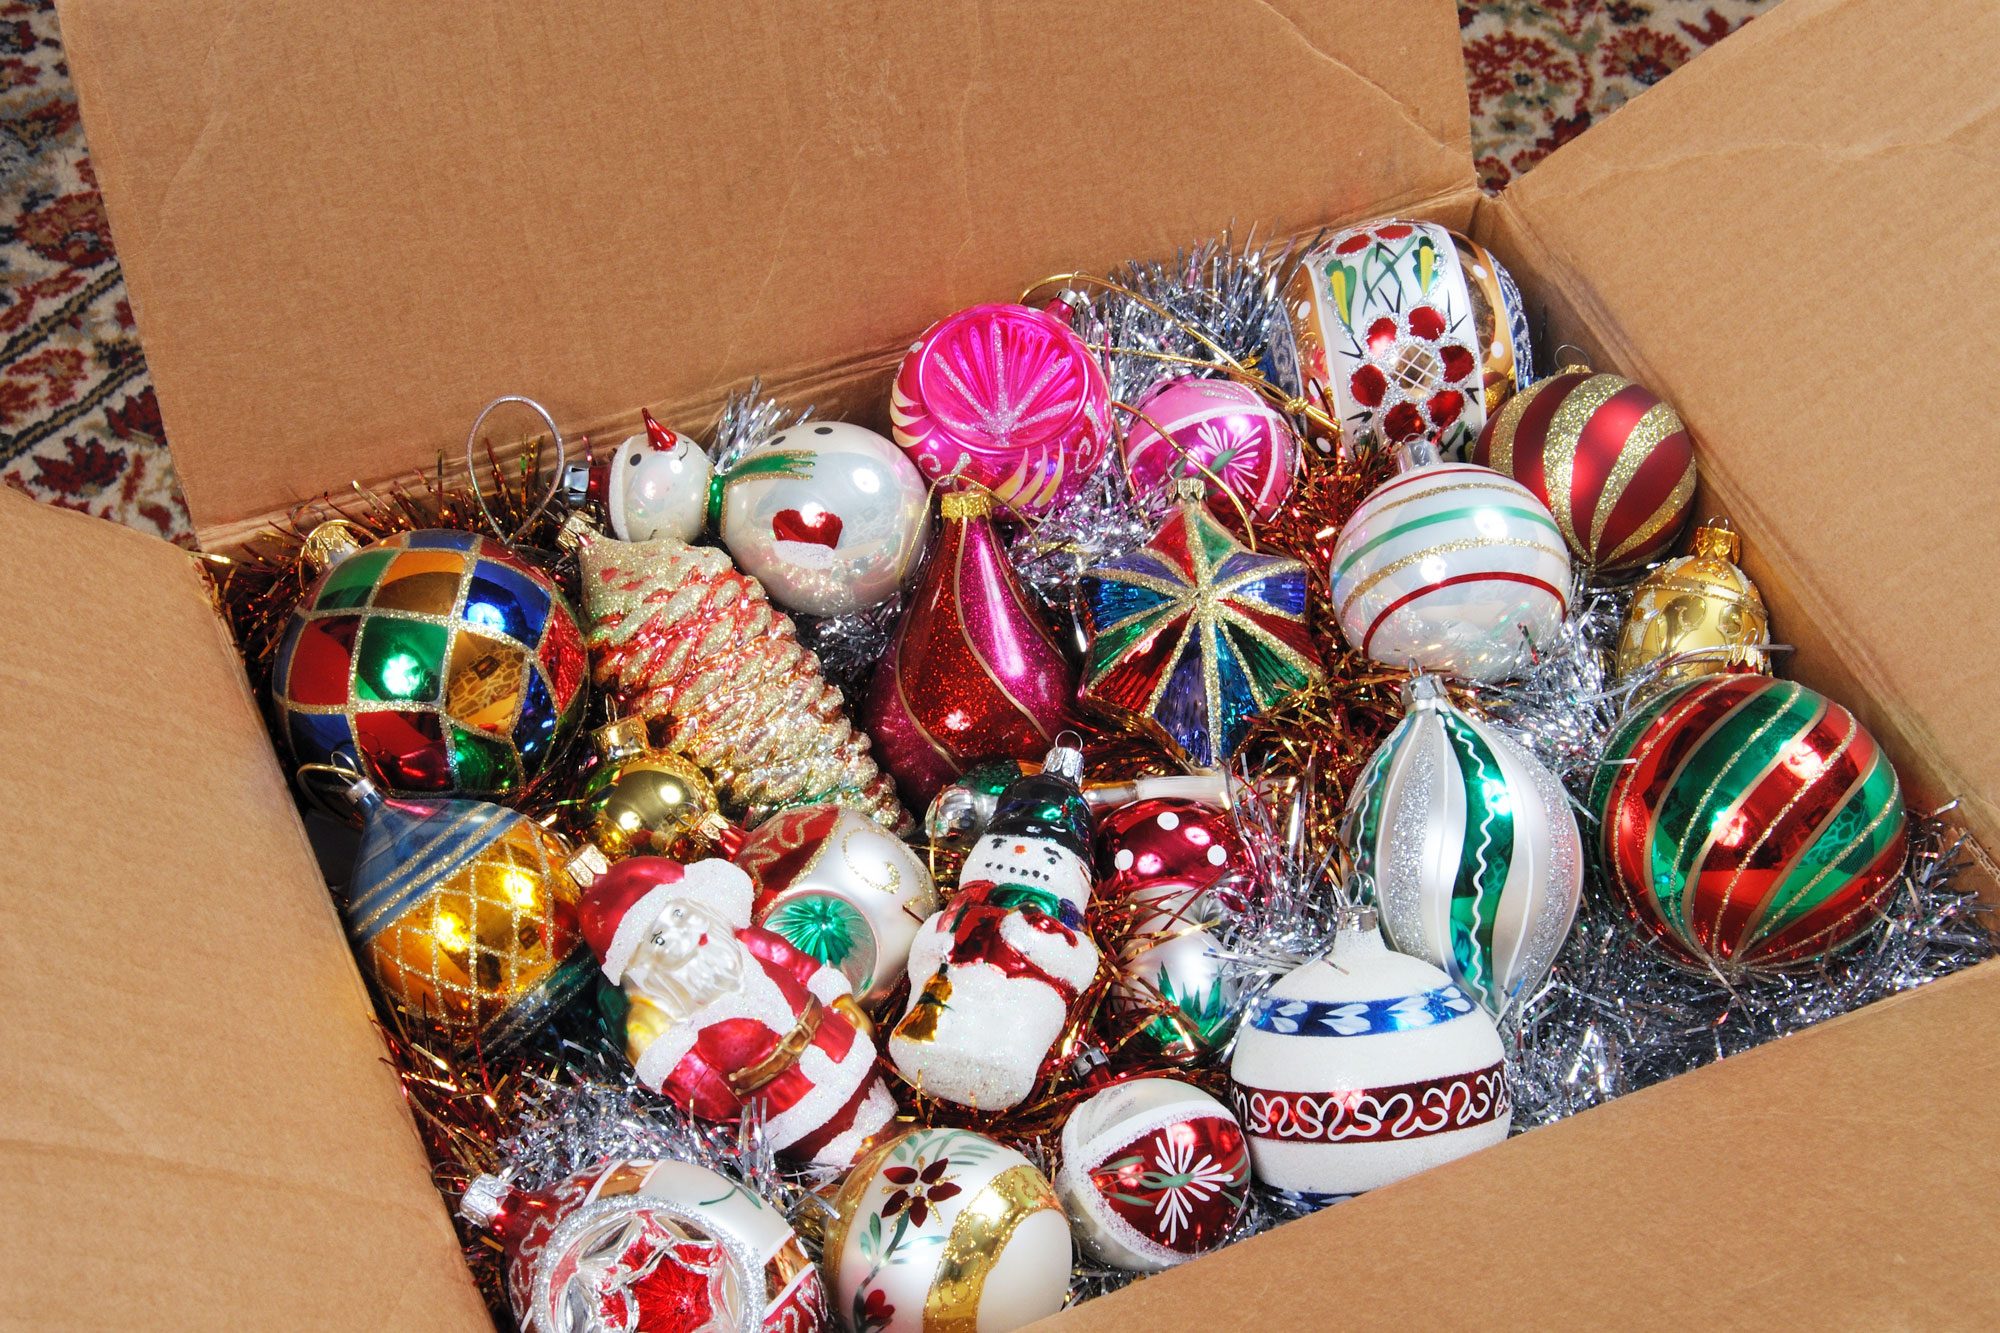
<point>79,426</point>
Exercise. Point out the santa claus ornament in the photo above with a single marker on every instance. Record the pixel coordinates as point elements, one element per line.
<point>1154,1172</point>
<point>648,1247</point>
<point>842,888</point>
<point>1450,567</point>
<point>1411,331</point>
<point>1475,857</point>
<point>995,975</point>
<point>946,1229</point>
<point>724,1014</point>
<point>1363,1067</point>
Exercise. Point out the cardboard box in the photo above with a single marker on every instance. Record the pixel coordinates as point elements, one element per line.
<point>346,227</point>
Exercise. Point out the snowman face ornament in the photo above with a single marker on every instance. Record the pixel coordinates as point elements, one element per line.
<point>658,486</point>
<point>1031,862</point>
<point>828,516</point>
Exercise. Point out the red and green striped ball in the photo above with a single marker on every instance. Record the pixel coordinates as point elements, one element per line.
<point>1611,460</point>
<point>1748,822</point>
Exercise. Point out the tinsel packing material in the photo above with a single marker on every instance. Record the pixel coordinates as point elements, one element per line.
<point>343,233</point>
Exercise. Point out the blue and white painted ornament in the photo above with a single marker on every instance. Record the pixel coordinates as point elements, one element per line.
<point>1363,1067</point>
<point>1472,848</point>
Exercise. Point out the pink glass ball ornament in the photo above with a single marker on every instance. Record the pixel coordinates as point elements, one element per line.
<point>1186,425</point>
<point>1005,396</point>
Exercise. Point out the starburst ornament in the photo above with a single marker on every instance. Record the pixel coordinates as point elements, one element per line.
<point>1193,634</point>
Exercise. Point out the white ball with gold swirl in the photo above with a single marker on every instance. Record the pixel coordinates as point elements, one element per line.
<point>945,1228</point>
<point>1451,567</point>
<point>1364,1067</point>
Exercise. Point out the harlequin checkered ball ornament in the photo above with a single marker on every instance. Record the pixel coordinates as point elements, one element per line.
<point>1609,459</point>
<point>1469,841</point>
<point>1155,1172</point>
<point>1410,331</point>
<point>1748,822</point>
<point>1363,1067</point>
<point>1450,567</point>
<point>441,661</point>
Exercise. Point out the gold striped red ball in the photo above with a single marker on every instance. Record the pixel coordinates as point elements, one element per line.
<point>1609,458</point>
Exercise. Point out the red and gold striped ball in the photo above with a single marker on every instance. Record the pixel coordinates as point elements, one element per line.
<point>1611,460</point>
<point>1749,822</point>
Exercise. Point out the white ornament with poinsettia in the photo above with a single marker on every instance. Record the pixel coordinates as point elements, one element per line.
<point>828,516</point>
<point>1363,1067</point>
<point>1154,1173</point>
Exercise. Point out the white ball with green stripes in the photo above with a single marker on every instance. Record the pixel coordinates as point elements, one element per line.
<point>1472,848</point>
<point>1451,567</point>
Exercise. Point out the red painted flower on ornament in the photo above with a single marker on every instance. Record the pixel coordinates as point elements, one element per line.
<point>1408,360</point>
<point>917,1190</point>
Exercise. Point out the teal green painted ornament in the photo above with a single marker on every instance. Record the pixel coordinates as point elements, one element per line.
<point>1474,854</point>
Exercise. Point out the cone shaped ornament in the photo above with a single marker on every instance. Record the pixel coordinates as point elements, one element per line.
<point>973,673</point>
<point>1193,634</point>
<point>1472,848</point>
<point>681,638</point>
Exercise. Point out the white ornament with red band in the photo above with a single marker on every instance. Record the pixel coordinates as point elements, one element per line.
<point>1453,568</point>
<point>723,1016</point>
<point>1154,1172</point>
<point>1363,1067</point>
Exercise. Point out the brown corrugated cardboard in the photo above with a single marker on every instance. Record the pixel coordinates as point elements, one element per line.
<point>342,226</point>
<point>197,1128</point>
<point>345,230</point>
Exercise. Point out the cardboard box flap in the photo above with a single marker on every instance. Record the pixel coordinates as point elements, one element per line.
<point>1840,1178</point>
<point>344,228</point>
<point>196,1125</point>
<point>1802,269</point>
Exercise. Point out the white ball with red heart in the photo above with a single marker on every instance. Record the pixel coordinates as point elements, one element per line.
<point>828,516</point>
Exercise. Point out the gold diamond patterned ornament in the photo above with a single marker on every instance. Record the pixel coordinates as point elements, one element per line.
<point>463,914</point>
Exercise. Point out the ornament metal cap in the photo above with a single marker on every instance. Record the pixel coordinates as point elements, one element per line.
<point>1423,689</point>
<point>971,502</point>
<point>330,543</point>
<point>1362,919</point>
<point>1718,540</point>
<point>485,1198</point>
<point>620,738</point>
<point>1190,490</point>
<point>1065,760</point>
<point>577,531</point>
<point>1413,454</point>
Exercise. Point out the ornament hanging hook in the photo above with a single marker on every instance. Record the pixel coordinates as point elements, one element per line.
<point>555,473</point>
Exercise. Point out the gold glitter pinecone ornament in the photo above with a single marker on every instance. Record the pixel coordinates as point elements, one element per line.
<point>678,636</point>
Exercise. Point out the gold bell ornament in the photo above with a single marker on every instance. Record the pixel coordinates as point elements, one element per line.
<point>1698,614</point>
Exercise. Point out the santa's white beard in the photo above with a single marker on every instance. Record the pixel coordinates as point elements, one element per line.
<point>682,985</point>
<point>994,1031</point>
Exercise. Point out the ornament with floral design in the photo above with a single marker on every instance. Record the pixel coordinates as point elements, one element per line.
<point>1154,1172</point>
<point>923,1221</point>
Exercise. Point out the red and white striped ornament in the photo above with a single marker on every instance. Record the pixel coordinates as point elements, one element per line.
<point>1451,567</point>
<point>1612,462</point>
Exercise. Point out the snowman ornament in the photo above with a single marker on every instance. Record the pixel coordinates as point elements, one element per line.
<point>995,976</point>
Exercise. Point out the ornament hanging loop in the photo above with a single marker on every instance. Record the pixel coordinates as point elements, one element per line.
<point>555,473</point>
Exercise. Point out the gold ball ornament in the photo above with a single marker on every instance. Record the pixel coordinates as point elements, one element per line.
<point>1698,614</point>
<point>647,802</point>
<point>463,914</point>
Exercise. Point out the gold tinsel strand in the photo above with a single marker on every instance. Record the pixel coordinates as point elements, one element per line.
<point>681,638</point>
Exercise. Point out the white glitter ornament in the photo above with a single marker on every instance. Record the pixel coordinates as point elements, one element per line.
<point>1451,567</point>
<point>1154,1172</point>
<point>1363,1067</point>
<point>828,516</point>
<point>1472,847</point>
<point>946,1229</point>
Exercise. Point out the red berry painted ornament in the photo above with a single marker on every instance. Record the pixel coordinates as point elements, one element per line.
<point>1154,1172</point>
<point>1170,867</point>
<point>723,1014</point>
<point>1452,568</point>
<point>1608,458</point>
<point>972,673</point>
<point>1411,331</point>
<point>648,1247</point>
<point>1748,822</point>
<point>1363,1067</point>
